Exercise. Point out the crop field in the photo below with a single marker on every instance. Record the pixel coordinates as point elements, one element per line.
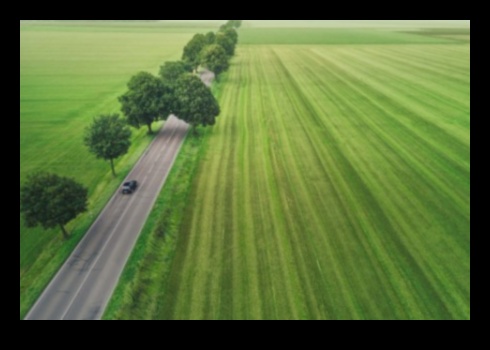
<point>71,72</point>
<point>335,185</point>
<point>334,36</point>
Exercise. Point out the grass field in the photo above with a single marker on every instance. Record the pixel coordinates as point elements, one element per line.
<point>71,72</point>
<point>366,24</point>
<point>332,36</point>
<point>335,185</point>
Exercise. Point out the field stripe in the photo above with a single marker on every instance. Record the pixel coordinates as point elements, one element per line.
<point>326,194</point>
<point>366,177</point>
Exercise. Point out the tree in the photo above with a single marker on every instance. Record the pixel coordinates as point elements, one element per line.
<point>210,38</point>
<point>196,104</point>
<point>171,71</point>
<point>231,24</point>
<point>147,100</point>
<point>226,42</point>
<point>236,23</point>
<point>50,200</point>
<point>108,138</point>
<point>193,49</point>
<point>215,59</point>
<point>231,34</point>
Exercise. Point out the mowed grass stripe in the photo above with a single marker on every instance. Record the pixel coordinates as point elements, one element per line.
<point>293,192</point>
<point>324,210</point>
<point>421,61</point>
<point>445,57</point>
<point>243,297</point>
<point>263,213</point>
<point>438,91</point>
<point>317,72</point>
<point>307,111</point>
<point>265,245</point>
<point>337,168</point>
<point>415,140</point>
<point>436,81</point>
<point>222,305</point>
<point>284,233</point>
<point>253,303</point>
<point>423,110</point>
<point>278,228</point>
<point>361,189</point>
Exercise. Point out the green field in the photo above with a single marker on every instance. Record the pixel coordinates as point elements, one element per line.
<point>366,24</point>
<point>334,36</point>
<point>335,185</point>
<point>71,72</point>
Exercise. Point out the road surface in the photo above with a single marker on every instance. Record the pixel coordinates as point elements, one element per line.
<point>207,77</point>
<point>82,287</point>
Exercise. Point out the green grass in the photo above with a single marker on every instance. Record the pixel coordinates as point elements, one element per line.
<point>139,294</point>
<point>335,185</point>
<point>131,27</point>
<point>365,24</point>
<point>458,34</point>
<point>139,291</point>
<point>70,73</point>
<point>331,36</point>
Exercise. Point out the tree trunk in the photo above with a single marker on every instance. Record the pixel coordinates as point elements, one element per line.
<point>112,167</point>
<point>65,234</point>
<point>149,129</point>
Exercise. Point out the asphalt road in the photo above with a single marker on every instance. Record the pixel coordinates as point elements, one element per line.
<point>82,287</point>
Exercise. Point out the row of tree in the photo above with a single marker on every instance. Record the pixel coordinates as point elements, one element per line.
<point>178,90</point>
<point>50,200</point>
<point>212,50</point>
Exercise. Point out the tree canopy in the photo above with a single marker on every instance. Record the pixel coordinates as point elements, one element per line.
<point>193,49</point>
<point>170,72</point>
<point>108,137</point>
<point>232,24</point>
<point>226,42</point>
<point>210,38</point>
<point>231,34</point>
<point>215,58</point>
<point>196,104</point>
<point>235,23</point>
<point>50,200</point>
<point>147,100</point>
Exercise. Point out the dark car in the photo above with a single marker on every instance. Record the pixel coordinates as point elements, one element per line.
<point>129,187</point>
